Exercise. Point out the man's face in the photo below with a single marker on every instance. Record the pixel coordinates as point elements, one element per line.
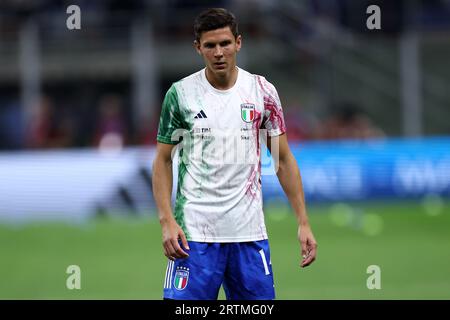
<point>218,48</point>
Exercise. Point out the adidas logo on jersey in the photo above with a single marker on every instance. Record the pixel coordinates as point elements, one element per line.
<point>200,115</point>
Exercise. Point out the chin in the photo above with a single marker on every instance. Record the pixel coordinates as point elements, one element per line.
<point>221,71</point>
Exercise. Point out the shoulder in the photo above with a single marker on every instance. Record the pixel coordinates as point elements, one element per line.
<point>186,81</point>
<point>261,83</point>
<point>186,86</point>
<point>192,79</point>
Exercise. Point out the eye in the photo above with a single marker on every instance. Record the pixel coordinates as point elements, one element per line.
<point>208,45</point>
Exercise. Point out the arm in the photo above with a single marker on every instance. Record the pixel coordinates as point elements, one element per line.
<point>289,176</point>
<point>162,190</point>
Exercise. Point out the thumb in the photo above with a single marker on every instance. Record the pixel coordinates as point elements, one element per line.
<point>184,240</point>
<point>304,248</point>
<point>302,242</point>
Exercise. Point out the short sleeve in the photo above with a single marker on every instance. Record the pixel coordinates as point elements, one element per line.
<point>170,118</point>
<point>273,118</point>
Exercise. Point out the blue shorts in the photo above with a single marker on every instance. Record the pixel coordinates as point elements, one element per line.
<point>243,268</point>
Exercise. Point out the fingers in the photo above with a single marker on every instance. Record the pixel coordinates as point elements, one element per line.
<point>168,250</point>
<point>184,241</point>
<point>310,256</point>
<point>171,244</point>
<point>173,251</point>
<point>178,252</point>
<point>308,259</point>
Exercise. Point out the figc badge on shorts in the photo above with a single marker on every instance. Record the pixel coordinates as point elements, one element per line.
<point>248,112</point>
<point>181,278</point>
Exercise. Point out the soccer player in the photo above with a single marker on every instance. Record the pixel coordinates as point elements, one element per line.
<point>216,233</point>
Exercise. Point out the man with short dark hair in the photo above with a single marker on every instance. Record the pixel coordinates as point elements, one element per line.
<point>217,235</point>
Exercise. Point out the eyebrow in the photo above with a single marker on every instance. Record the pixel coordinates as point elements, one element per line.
<point>223,42</point>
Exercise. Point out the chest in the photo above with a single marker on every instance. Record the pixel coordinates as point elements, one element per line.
<point>228,111</point>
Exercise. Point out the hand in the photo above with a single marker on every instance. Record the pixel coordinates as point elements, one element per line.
<point>171,232</point>
<point>308,244</point>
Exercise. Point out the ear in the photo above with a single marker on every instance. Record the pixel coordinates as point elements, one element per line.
<point>238,42</point>
<point>197,47</point>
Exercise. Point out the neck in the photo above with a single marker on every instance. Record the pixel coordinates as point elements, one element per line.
<point>222,82</point>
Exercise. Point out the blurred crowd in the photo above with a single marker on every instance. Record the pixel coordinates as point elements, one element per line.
<point>346,120</point>
<point>53,126</point>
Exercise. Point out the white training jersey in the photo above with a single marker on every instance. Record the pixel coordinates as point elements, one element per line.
<point>219,196</point>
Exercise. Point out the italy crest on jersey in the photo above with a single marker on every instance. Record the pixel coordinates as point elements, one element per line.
<point>181,278</point>
<point>248,112</point>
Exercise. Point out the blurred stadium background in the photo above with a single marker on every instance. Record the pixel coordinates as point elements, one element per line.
<point>368,118</point>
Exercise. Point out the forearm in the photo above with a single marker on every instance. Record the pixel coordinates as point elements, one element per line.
<point>162,188</point>
<point>291,181</point>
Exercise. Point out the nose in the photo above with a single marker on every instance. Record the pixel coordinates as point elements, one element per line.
<point>218,52</point>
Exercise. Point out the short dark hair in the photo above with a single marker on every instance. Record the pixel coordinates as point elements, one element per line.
<point>212,19</point>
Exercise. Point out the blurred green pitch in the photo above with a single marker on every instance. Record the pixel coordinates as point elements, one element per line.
<point>123,258</point>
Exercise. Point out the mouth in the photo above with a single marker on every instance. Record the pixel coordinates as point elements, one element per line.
<point>219,65</point>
